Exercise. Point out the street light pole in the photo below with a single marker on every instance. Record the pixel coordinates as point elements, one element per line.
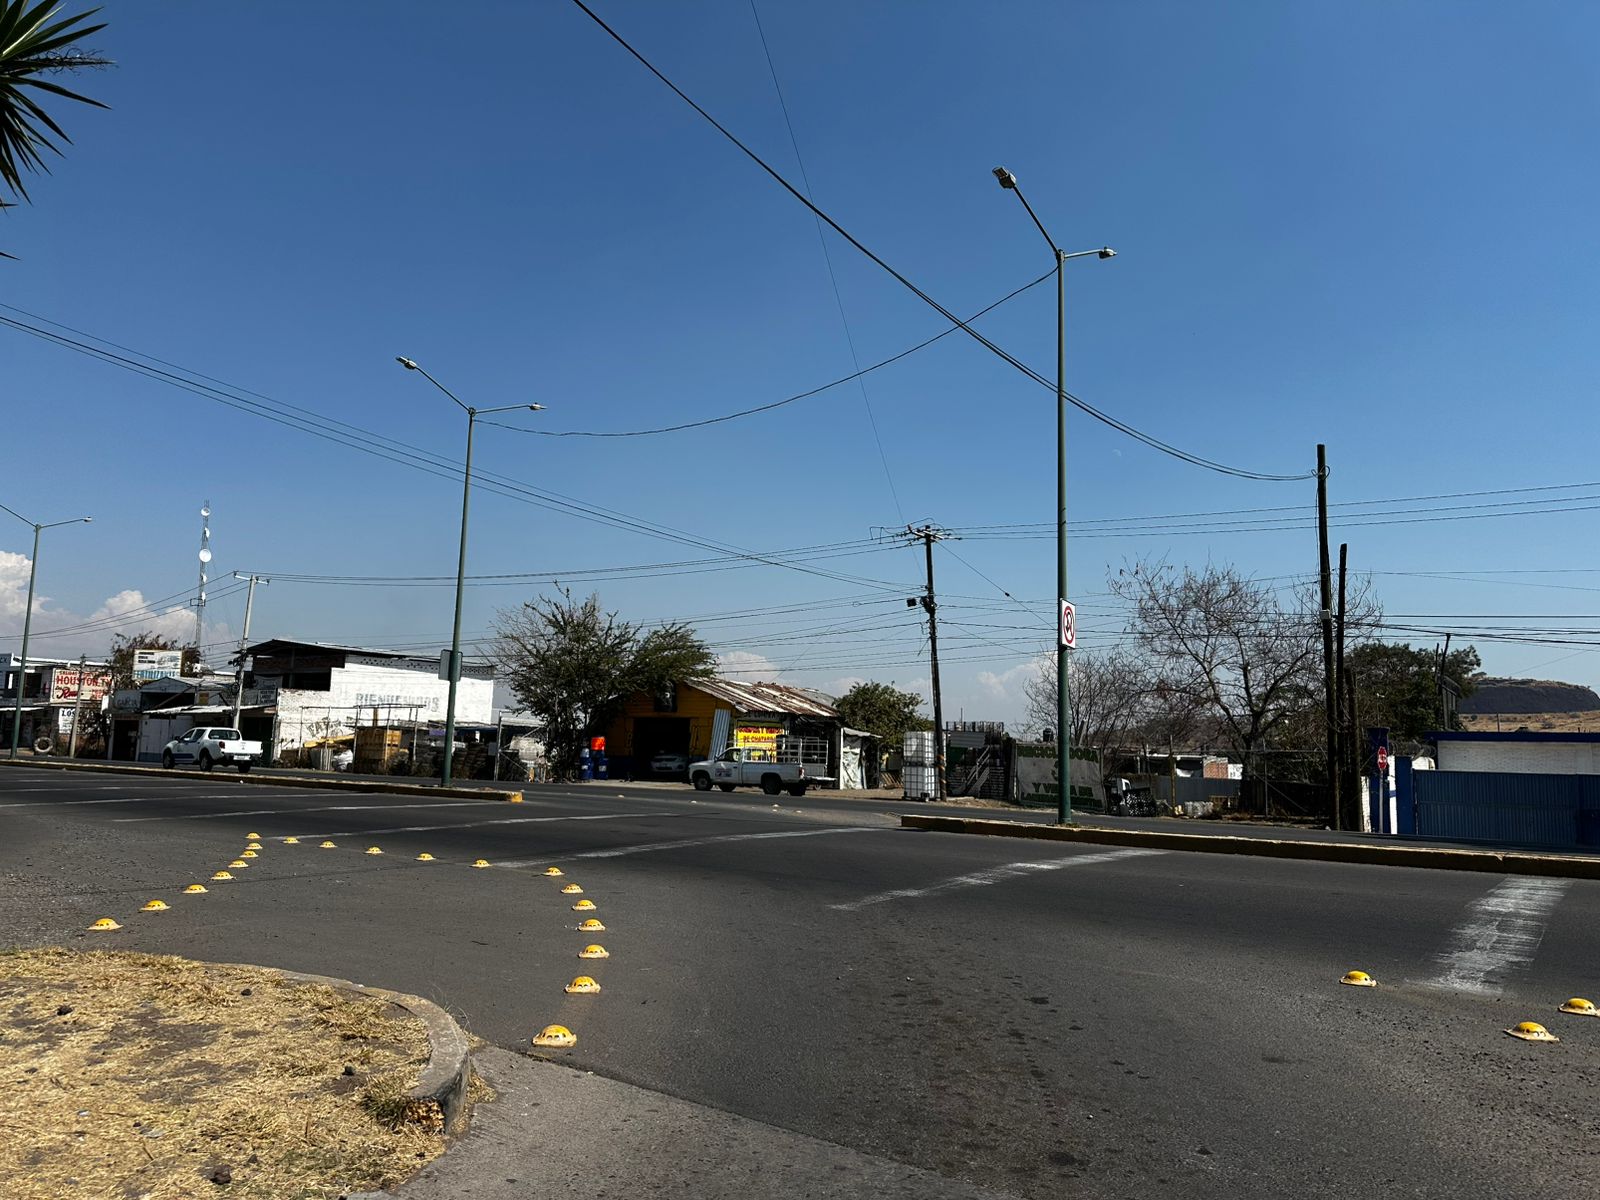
<point>1063,653</point>
<point>27,617</point>
<point>454,672</point>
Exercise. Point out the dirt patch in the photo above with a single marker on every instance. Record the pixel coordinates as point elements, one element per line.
<point>141,1077</point>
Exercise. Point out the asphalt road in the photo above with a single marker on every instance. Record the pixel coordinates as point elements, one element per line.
<point>1037,1020</point>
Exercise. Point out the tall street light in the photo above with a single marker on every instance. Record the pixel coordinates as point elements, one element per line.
<point>27,616</point>
<point>461,563</point>
<point>1063,652</point>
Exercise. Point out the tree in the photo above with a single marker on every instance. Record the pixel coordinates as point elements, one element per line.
<point>34,44</point>
<point>570,664</point>
<point>123,646</point>
<point>881,709</point>
<point>1397,686</point>
<point>1114,699</point>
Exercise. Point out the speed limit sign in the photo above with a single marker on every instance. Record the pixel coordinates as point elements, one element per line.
<point>1069,626</point>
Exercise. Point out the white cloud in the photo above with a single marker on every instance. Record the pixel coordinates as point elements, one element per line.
<point>1008,684</point>
<point>746,667</point>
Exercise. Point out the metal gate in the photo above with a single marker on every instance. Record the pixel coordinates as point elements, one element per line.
<point>1558,812</point>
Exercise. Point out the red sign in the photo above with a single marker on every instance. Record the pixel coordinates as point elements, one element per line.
<point>1383,760</point>
<point>1069,625</point>
<point>65,685</point>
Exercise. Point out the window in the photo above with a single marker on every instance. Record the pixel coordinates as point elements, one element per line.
<point>226,735</point>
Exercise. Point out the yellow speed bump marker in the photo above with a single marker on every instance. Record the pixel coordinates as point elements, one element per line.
<point>582,986</point>
<point>1532,1031</point>
<point>584,906</point>
<point>594,952</point>
<point>222,875</point>
<point>249,854</point>
<point>194,889</point>
<point>1358,979</point>
<point>254,844</point>
<point>572,889</point>
<point>424,857</point>
<point>554,871</point>
<point>104,923</point>
<point>253,837</point>
<point>555,1035</point>
<point>325,846</point>
<point>517,799</point>
<point>237,863</point>
<point>154,906</point>
<point>291,841</point>
<point>1579,1007</point>
<point>373,850</point>
<point>592,925</point>
<point>480,863</point>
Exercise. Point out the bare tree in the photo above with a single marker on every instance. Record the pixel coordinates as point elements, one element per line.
<point>1113,697</point>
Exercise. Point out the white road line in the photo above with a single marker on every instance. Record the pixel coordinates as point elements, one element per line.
<point>992,876</point>
<point>483,824</point>
<point>291,812</point>
<point>1501,934</point>
<point>69,803</point>
<point>684,843</point>
<point>103,787</point>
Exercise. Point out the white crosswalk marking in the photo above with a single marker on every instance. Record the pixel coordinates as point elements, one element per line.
<point>1501,934</point>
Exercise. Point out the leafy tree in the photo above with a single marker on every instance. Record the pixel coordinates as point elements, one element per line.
<point>883,710</point>
<point>570,664</point>
<point>1397,685</point>
<point>33,43</point>
<point>123,646</point>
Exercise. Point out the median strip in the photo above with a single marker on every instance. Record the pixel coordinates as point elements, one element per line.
<point>286,781</point>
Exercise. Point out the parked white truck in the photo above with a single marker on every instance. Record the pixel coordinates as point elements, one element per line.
<point>794,766</point>
<point>207,746</point>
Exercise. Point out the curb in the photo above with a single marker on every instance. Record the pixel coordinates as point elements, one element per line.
<point>442,1085</point>
<point>307,781</point>
<point>1496,861</point>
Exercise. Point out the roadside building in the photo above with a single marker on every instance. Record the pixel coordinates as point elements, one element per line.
<point>1523,752</point>
<point>146,717</point>
<point>52,692</point>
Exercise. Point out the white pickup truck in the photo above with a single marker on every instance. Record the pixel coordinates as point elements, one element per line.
<point>207,746</point>
<point>783,770</point>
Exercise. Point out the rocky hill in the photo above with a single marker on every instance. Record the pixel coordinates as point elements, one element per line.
<point>1529,696</point>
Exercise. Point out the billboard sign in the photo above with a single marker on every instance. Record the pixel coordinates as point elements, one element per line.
<point>157,664</point>
<point>65,685</point>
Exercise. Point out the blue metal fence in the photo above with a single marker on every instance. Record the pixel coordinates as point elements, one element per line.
<point>1557,812</point>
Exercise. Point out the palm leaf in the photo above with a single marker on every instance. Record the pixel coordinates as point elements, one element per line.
<point>32,42</point>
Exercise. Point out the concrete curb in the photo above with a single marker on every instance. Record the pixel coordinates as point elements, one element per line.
<point>333,783</point>
<point>1504,862</point>
<point>443,1082</point>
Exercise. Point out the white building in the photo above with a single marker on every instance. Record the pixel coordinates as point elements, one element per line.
<point>1523,752</point>
<point>321,689</point>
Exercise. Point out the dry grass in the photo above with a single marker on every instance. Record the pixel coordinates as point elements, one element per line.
<point>1550,722</point>
<point>165,1070</point>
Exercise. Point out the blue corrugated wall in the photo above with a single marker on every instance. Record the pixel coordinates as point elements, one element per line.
<point>1558,812</point>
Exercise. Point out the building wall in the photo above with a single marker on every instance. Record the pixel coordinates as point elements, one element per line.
<point>1527,758</point>
<point>397,693</point>
<point>696,706</point>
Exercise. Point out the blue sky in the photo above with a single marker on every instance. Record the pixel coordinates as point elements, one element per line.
<point>1369,225</point>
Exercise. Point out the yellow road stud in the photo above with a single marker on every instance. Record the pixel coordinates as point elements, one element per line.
<point>291,841</point>
<point>222,875</point>
<point>194,889</point>
<point>373,850</point>
<point>325,846</point>
<point>572,889</point>
<point>424,857</point>
<point>480,862</point>
<point>555,1035</point>
<point>554,871</point>
<point>253,837</point>
<point>582,986</point>
<point>249,854</point>
<point>104,923</point>
<point>254,845</point>
<point>1579,1007</point>
<point>1532,1031</point>
<point>594,952</point>
<point>154,906</point>
<point>237,863</point>
<point>584,906</point>
<point>592,925</point>
<point>517,799</point>
<point>1358,979</point>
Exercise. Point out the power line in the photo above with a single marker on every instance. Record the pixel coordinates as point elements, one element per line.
<point>1114,422</point>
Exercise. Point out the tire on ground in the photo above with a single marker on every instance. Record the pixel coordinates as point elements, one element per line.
<point>702,782</point>
<point>771,785</point>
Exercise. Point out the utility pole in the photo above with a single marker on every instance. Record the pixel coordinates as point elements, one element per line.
<point>27,616</point>
<point>77,709</point>
<point>928,535</point>
<point>1328,698</point>
<point>244,641</point>
<point>1342,683</point>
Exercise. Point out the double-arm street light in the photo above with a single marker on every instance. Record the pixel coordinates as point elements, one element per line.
<point>27,616</point>
<point>1063,652</point>
<point>461,563</point>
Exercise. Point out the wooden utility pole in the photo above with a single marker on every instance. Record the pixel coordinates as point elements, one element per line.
<point>77,709</point>
<point>1329,704</point>
<point>928,535</point>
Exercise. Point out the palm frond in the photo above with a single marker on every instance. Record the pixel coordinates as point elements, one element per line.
<point>34,42</point>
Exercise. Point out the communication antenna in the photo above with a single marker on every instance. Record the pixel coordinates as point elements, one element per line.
<point>200,593</point>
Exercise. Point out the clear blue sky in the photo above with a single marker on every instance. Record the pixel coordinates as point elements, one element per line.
<point>1367,224</point>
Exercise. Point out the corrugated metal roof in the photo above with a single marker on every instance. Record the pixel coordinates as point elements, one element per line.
<point>296,643</point>
<point>766,698</point>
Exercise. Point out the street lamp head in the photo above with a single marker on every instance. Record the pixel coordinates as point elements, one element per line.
<point>1107,252</point>
<point>535,408</point>
<point>407,363</point>
<point>1006,178</point>
<point>88,520</point>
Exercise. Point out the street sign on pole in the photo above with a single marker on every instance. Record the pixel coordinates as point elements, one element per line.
<point>1069,625</point>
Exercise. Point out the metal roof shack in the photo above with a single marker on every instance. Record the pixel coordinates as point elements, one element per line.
<point>754,699</point>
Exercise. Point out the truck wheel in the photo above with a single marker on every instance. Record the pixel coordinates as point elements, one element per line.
<point>244,768</point>
<point>205,760</point>
<point>167,760</point>
<point>771,785</point>
<point>702,782</point>
<point>727,787</point>
<point>798,789</point>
